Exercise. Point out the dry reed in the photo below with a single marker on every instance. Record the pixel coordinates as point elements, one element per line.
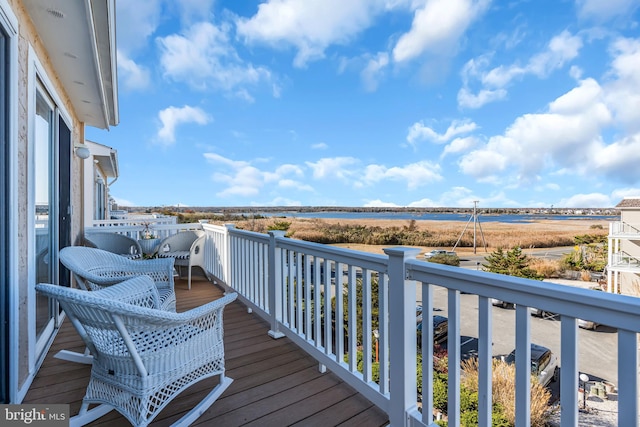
<point>503,389</point>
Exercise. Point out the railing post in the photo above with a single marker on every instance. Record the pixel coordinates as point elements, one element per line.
<point>402,337</point>
<point>226,253</point>
<point>275,290</point>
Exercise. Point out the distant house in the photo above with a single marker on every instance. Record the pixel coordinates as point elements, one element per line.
<point>100,171</point>
<point>57,76</point>
<point>623,269</point>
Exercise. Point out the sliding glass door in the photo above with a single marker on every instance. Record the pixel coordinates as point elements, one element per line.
<point>45,213</point>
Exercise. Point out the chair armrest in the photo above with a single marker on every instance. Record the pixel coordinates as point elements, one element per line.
<point>160,270</point>
<point>140,291</point>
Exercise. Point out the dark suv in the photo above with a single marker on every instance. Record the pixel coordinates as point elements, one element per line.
<point>544,364</point>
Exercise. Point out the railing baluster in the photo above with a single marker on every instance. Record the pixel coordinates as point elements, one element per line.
<point>328,322</point>
<point>383,327</point>
<point>366,326</point>
<point>317,293</point>
<point>427,353</point>
<point>453,347</point>
<point>353,318</point>
<point>307,283</point>
<point>275,281</point>
<point>485,362</point>
<point>627,378</point>
<point>299,293</point>
<point>569,371</point>
<point>523,366</point>
<point>339,314</point>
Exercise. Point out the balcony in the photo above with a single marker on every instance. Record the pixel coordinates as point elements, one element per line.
<point>287,284</point>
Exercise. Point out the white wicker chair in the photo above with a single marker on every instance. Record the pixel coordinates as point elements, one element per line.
<point>95,269</point>
<point>143,357</point>
<point>186,248</point>
<point>115,243</point>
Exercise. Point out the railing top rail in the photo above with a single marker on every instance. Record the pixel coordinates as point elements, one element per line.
<point>618,311</point>
<point>362,259</point>
<point>251,235</point>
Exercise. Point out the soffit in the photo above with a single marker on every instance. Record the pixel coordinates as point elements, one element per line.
<point>79,36</point>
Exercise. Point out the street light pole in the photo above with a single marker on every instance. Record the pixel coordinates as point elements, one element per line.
<point>584,378</point>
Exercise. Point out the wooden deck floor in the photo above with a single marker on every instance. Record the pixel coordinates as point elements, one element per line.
<point>275,383</point>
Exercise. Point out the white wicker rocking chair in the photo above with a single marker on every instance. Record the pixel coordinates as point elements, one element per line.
<point>95,269</point>
<point>143,356</point>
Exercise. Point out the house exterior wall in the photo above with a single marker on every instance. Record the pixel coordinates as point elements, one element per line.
<point>29,42</point>
<point>630,282</point>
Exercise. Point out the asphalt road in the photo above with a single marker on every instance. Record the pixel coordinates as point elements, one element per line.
<point>597,350</point>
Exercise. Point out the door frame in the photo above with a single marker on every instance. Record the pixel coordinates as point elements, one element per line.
<point>9,330</point>
<point>39,80</point>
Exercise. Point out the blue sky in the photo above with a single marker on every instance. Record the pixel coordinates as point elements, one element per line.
<point>377,103</point>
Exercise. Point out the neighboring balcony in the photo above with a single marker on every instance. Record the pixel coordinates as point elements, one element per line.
<point>290,284</point>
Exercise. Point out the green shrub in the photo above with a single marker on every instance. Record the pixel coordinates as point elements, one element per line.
<point>445,259</point>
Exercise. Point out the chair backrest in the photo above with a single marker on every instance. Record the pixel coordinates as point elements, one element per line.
<point>86,262</point>
<point>115,243</point>
<point>94,313</point>
<point>179,242</point>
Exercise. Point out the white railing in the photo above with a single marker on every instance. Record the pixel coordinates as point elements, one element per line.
<point>290,283</point>
<point>617,228</point>
<point>135,229</point>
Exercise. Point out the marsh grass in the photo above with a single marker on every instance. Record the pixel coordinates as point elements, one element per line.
<point>503,390</point>
<point>445,234</point>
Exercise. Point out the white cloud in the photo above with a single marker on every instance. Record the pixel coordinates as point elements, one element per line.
<point>373,71</point>
<point>602,11</point>
<point>194,10</point>
<point>419,132</point>
<point>137,21</point>
<point>466,99</point>
<point>415,174</point>
<point>335,167</point>
<point>310,26</point>
<point>623,88</point>
<point>437,28</point>
<point>621,193</point>
<point>204,58</point>
<point>379,204</point>
<point>320,146</point>
<point>591,200</point>
<point>460,145</point>
<point>173,116</point>
<point>242,178</point>
<point>620,160</point>
<point>132,75</point>
<point>560,50</point>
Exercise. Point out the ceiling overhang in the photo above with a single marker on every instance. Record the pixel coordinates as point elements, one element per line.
<point>105,157</point>
<point>80,39</point>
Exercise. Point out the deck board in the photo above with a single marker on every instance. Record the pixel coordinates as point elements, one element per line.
<point>275,382</point>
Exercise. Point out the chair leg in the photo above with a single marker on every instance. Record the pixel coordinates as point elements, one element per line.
<point>72,356</point>
<point>189,276</point>
<point>205,403</point>
<point>85,416</point>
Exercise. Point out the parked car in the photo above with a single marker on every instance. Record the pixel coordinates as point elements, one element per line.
<point>544,364</point>
<point>534,311</point>
<point>588,324</point>
<point>500,303</point>
<point>439,252</point>
<point>440,326</point>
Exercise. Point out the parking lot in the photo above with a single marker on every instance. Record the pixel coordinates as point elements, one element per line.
<point>597,355</point>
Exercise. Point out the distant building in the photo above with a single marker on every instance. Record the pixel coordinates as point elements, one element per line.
<point>623,269</point>
<point>100,170</point>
